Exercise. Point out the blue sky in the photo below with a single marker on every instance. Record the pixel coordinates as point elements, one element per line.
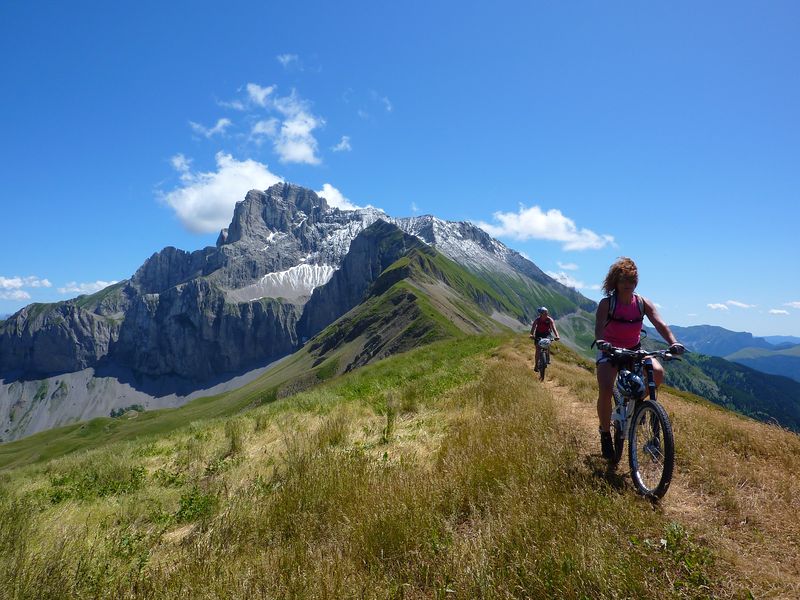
<point>574,132</point>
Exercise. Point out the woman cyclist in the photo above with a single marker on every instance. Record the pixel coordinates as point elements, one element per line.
<point>618,322</point>
<point>542,327</point>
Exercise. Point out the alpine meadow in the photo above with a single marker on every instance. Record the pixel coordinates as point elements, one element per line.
<point>449,300</point>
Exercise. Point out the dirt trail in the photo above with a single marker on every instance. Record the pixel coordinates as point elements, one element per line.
<point>680,503</point>
<point>743,562</point>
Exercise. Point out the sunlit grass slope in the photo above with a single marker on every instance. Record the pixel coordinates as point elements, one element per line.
<point>446,471</point>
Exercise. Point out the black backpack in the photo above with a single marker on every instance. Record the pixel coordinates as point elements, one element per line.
<point>612,306</point>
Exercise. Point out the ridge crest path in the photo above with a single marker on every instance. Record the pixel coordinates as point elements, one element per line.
<point>750,526</point>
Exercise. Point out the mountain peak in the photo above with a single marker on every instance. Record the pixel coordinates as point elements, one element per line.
<point>279,208</point>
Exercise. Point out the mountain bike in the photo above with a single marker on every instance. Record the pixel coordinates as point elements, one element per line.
<point>544,355</point>
<point>638,416</point>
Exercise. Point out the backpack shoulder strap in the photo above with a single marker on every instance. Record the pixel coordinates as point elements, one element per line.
<point>612,306</point>
<point>640,303</point>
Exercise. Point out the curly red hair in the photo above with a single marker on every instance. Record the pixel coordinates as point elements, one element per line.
<point>623,268</point>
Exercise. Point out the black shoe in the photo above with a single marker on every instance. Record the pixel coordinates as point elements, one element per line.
<point>607,445</point>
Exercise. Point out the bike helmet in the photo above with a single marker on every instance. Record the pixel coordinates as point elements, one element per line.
<point>630,384</point>
<point>541,310</point>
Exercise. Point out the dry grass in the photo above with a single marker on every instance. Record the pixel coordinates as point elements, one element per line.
<point>735,486</point>
<point>744,478</point>
<point>487,486</point>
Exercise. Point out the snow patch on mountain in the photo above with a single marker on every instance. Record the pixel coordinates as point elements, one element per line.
<point>337,236</point>
<point>462,242</point>
<point>292,284</point>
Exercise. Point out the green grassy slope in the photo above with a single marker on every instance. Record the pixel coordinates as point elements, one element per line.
<point>445,471</point>
<point>577,332</point>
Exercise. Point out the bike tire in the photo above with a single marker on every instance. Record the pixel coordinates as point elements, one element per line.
<point>542,365</point>
<point>651,449</point>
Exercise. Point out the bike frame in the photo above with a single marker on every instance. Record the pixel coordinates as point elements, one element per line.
<point>652,456</point>
<point>641,363</point>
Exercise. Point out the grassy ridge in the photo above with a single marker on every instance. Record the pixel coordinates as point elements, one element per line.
<point>442,472</point>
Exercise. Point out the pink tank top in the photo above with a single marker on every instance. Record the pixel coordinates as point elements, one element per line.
<point>624,335</point>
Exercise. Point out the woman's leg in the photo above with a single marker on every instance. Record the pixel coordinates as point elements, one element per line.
<point>658,372</point>
<point>606,372</point>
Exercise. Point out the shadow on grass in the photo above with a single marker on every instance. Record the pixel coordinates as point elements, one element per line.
<point>601,469</point>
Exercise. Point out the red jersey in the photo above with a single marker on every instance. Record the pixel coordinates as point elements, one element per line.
<point>542,325</point>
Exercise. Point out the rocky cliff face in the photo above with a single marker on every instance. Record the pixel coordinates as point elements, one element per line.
<point>286,267</point>
<point>64,338</point>
<point>246,300</point>
<point>198,314</point>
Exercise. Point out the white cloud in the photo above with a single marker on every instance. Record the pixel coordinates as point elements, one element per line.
<point>792,304</point>
<point>295,141</point>
<point>335,198</point>
<point>343,145</point>
<point>287,59</point>
<point>233,104</point>
<point>387,104</point>
<point>73,287</point>
<point>259,95</point>
<point>10,283</point>
<point>566,279</point>
<point>567,266</point>
<point>717,306</point>
<point>15,295</point>
<point>205,203</point>
<point>35,282</point>
<point>182,165</point>
<point>691,315</point>
<point>738,304</point>
<point>414,208</point>
<point>264,128</point>
<point>219,128</point>
<point>569,281</point>
<point>778,311</point>
<point>534,223</point>
<point>15,283</point>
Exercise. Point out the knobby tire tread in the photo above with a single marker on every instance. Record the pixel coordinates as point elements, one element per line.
<point>669,449</point>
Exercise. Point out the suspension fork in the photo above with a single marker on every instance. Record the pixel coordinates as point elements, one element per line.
<point>651,380</point>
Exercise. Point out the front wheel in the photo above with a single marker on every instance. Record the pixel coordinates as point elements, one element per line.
<point>651,449</point>
<point>542,364</point>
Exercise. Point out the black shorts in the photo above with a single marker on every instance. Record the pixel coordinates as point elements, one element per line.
<point>538,336</point>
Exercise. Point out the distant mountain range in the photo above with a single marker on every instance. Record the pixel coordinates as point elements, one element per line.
<point>776,355</point>
<point>783,340</point>
<point>287,267</point>
<point>324,291</point>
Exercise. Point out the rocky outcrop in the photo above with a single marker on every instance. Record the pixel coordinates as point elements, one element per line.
<point>192,331</point>
<point>55,338</point>
<point>172,266</point>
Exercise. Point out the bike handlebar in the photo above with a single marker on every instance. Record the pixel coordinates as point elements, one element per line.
<point>666,355</point>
